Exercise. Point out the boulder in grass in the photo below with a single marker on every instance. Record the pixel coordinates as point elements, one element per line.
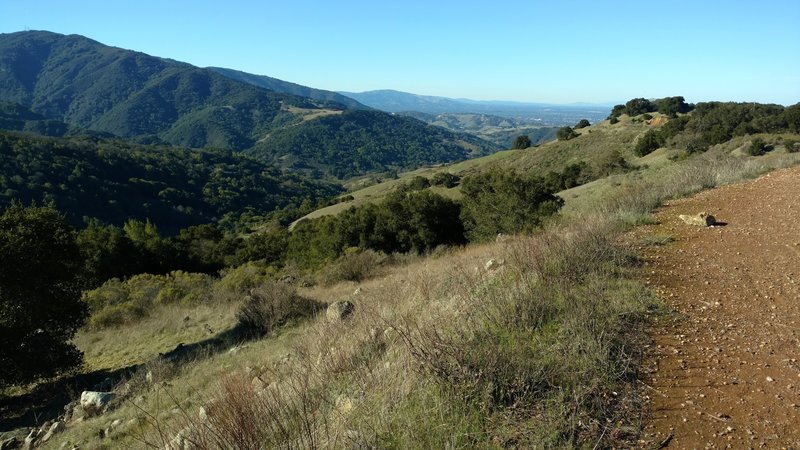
<point>339,311</point>
<point>700,220</point>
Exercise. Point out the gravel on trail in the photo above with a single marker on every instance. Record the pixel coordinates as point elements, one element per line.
<point>724,367</point>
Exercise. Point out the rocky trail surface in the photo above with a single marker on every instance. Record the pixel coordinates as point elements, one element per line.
<point>724,370</point>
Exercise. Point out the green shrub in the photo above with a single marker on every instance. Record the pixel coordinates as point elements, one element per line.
<point>116,302</point>
<point>240,279</point>
<point>417,183</point>
<point>445,179</point>
<point>792,146</point>
<point>522,142</point>
<point>272,305</point>
<point>650,141</point>
<point>118,314</point>
<point>757,147</point>
<point>582,124</point>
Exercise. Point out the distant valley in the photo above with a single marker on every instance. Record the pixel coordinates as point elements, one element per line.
<point>540,114</point>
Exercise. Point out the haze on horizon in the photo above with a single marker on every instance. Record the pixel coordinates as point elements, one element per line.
<point>529,51</point>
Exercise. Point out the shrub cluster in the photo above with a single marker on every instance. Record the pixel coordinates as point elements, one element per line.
<point>669,106</point>
<point>117,302</point>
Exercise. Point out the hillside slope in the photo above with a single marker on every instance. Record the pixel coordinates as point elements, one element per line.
<point>356,142</point>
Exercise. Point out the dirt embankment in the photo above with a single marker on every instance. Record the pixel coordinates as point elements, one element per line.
<point>725,368</point>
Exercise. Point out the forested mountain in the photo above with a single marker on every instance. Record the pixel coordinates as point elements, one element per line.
<point>129,94</point>
<point>115,180</point>
<point>286,87</point>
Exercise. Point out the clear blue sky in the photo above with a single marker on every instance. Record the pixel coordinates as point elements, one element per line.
<point>542,51</point>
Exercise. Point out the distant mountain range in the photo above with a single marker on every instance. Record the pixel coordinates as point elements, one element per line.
<point>529,113</point>
<point>91,86</point>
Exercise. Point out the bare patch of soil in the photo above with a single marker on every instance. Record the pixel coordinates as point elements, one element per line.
<point>725,368</point>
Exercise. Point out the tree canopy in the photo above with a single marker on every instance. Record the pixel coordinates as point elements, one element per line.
<point>505,202</point>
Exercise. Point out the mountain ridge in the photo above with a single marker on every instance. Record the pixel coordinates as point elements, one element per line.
<point>287,87</point>
<point>130,94</point>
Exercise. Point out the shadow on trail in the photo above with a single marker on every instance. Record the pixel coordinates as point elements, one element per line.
<point>48,399</point>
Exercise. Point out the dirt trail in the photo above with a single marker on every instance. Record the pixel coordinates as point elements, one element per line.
<point>725,370</point>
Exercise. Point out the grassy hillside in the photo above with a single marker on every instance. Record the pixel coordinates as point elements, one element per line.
<point>599,146</point>
<point>609,148</point>
<point>530,341</point>
<point>441,351</point>
<point>129,94</point>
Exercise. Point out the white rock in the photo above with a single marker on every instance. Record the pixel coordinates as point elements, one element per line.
<point>95,403</point>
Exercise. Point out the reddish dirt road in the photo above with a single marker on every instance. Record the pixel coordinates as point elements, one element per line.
<point>725,368</point>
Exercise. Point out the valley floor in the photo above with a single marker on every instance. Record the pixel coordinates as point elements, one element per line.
<point>723,369</point>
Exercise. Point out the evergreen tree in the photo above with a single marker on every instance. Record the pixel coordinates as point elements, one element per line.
<point>40,304</point>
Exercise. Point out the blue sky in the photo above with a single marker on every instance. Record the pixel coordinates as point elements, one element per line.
<point>599,51</point>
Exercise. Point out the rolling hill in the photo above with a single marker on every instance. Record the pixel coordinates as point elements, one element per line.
<point>130,94</point>
<point>500,130</point>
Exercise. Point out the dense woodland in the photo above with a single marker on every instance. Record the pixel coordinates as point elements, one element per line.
<point>114,180</point>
